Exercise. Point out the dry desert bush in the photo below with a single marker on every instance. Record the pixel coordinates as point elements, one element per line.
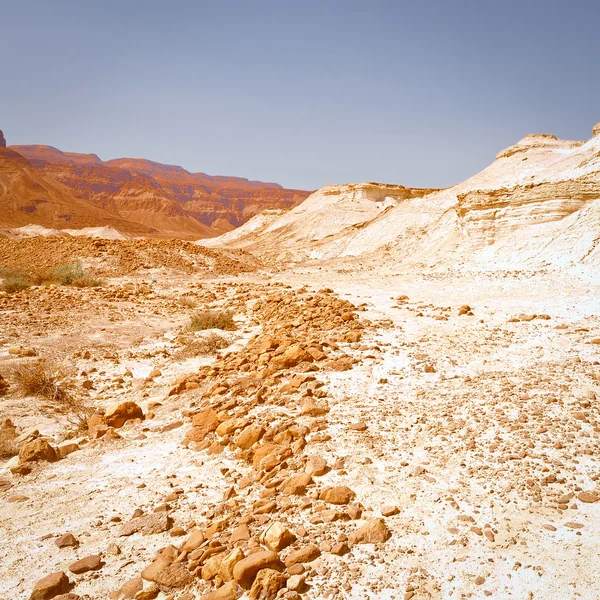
<point>68,274</point>
<point>212,319</point>
<point>73,274</point>
<point>44,380</point>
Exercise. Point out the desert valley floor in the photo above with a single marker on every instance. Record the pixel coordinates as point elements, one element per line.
<point>400,434</point>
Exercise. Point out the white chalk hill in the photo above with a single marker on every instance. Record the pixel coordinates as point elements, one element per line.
<point>536,206</point>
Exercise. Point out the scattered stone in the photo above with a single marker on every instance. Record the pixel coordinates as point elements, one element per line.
<point>36,450</point>
<point>337,495</point>
<point>67,541</point>
<point>119,413</point>
<point>303,555</point>
<point>147,525</point>
<point>589,497</point>
<point>374,531</point>
<point>277,537</point>
<point>89,563</point>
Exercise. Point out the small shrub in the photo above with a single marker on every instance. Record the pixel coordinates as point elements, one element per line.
<point>212,319</point>
<point>14,281</point>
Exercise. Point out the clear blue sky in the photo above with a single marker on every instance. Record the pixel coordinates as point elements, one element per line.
<point>305,93</point>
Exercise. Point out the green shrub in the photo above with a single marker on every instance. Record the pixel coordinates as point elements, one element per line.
<point>212,319</point>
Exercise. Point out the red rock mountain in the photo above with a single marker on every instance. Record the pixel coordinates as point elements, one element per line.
<point>28,196</point>
<point>165,198</point>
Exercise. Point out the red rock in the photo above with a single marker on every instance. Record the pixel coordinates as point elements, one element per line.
<point>165,572</point>
<point>277,537</point>
<point>296,484</point>
<point>229,591</point>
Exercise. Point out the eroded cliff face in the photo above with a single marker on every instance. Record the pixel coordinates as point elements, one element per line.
<point>487,216</point>
<point>166,197</point>
<point>328,212</point>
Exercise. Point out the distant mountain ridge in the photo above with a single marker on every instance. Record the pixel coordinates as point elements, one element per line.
<point>163,199</point>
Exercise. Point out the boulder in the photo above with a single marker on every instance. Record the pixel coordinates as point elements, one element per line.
<point>89,563</point>
<point>228,564</point>
<point>147,525</point>
<point>3,386</point>
<point>277,537</point>
<point>374,531</point>
<point>296,484</point>
<point>163,571</point>
<point>292,356</point>
<point>195,540</point>
<point>267,584</point>
<point>229,591</point>
<point>316,466</point>
<point>337,495</point>
<point>249,436</point>
<point>245,571</point>
<point>302,555</point>
<point>36,450</point>
<point>50,586</point>
<point>67,541</point>
<point>128,590</point>
<point>595,130</point>
<point>119,413</point>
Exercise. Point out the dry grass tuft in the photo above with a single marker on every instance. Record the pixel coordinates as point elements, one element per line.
<point>212,319</point>
<point>38,379</point>
<point>46,381</point>
<point>208,344</point>
<point>187,302</point>
<point>8,440</point>
<point>14,281</point>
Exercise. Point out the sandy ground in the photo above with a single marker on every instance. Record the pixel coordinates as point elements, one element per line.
<point>477,430</point>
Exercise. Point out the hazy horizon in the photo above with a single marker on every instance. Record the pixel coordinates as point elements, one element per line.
<point>303,95</point>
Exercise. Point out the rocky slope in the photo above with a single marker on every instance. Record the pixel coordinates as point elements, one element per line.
<point>165,197</point>
<point>537,205</point>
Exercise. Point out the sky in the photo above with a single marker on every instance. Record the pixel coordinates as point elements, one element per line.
<point>420,93</point>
